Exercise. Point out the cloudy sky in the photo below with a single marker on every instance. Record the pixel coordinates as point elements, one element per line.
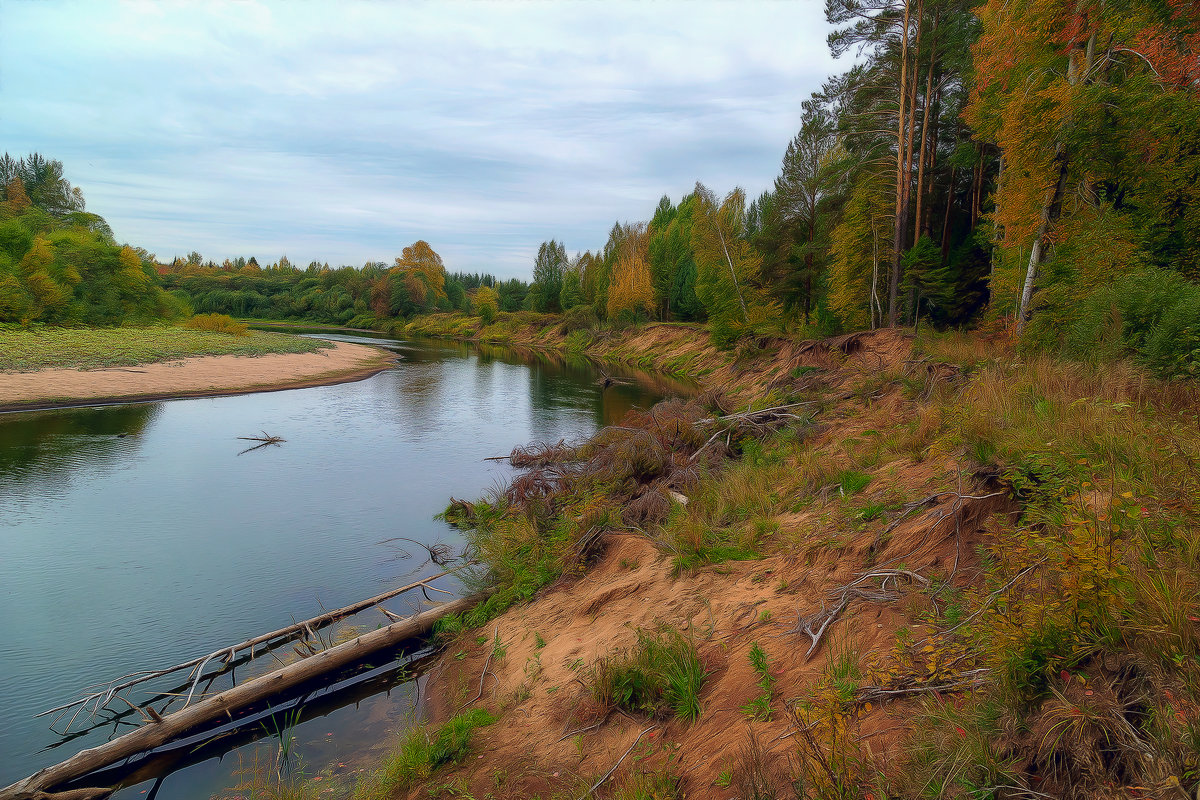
<point>342,132</point>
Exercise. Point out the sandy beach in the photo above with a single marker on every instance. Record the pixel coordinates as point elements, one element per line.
<point>190,377</point>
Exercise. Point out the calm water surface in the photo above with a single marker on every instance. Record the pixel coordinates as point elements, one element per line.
<point>136,536</point>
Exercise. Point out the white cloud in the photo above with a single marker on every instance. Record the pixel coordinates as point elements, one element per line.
<point>342,131</point>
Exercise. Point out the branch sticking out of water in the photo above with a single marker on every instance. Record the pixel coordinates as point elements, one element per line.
<point>264,440</point>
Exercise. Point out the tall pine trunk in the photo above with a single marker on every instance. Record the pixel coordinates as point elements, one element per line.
<point>894,275</point>
<point>946,218</point>
<point>917,228</point>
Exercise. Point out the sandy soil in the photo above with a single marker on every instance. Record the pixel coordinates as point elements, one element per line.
<point>191,377</point>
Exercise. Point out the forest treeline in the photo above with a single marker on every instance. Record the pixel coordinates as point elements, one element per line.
<point>1012,163</point>
<point>1028,163</point>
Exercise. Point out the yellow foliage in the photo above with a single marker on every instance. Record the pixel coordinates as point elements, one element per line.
<point>131,277</point>
<point>218,323</point>
<point>18,201</point>
<point>487,302</point>
<point>861,249</point>
<point>420,257</point>
<point>632,290</point>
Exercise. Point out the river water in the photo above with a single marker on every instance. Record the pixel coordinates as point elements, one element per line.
<point>139,536</point>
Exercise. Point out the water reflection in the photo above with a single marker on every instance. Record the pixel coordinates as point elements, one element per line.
<point>44,449</point>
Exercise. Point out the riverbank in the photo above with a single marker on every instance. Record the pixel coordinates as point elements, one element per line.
<point>755,371</point>
<point>203,376</point>
<point>937,545</point>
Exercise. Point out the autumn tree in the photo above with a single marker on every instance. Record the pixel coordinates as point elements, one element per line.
<point>1113,154</point>
<point>424,274</point>
<point>487,303</point>
<point>631,293</point>
<point>15,195</point>
<point>860,252</point>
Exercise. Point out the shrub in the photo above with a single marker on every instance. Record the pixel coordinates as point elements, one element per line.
<point>217,323</point>
<point>1152,314</point>
<point>661,674</point>
<point>579,318</point>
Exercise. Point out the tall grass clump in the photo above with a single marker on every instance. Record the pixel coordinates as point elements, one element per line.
<point>217,323</point>
<point>729,514</point>
<point>658,785</point>
<point>421,753</point>
<point>661,675</point>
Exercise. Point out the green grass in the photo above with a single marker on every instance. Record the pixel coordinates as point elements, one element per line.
<point>421,753</point>
<point>38,348</point>
<point>760,707</point>
<point>661,785</point>
<point>661,675</point>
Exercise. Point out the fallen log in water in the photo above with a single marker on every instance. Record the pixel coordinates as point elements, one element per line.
<point>39,785</point>
<point>111,690</point>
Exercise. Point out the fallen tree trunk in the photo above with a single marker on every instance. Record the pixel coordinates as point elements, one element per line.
<point>225,703</point>
<point>112,688</point>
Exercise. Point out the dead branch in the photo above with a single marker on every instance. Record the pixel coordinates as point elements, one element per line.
<point>815,625</point>
<point>100,698</point>
<point>483,675</point>
<point>991,598</point>
<point>972,679</point>
<point>266,438</point>
<point>613,768</point>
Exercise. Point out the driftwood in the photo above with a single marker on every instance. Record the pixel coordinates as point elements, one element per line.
<point>266,438</point>
<point>110,690</point>
<point>263,441</point>
<point>225,703</point>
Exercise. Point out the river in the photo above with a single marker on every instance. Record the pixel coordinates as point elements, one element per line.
<point>139,536</point>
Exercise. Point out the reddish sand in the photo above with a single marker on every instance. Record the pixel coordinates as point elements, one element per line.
<point>190,377</point>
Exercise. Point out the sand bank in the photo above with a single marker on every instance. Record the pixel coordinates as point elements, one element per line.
<point>190,377</point>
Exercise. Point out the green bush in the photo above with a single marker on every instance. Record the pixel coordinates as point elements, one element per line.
<point>579,318</point>
<point>1152,314</point>
<point>1173,346</point>
<point>218,323</point>
<point>421,753</point>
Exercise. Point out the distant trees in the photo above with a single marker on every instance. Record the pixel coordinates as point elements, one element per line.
<point>415,283</point>
<point>996,160</point>
<point>548,270</point>
<point>39,181</point>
